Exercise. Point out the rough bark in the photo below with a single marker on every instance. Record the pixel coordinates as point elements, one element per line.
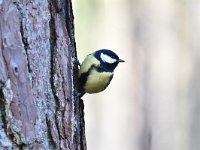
<point>38,75</point>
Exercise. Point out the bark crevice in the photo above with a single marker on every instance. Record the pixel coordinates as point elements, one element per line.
<point>22,32</point>
<point>53,36</point>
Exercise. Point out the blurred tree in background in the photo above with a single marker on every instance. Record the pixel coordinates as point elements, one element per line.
<point>153,100</point>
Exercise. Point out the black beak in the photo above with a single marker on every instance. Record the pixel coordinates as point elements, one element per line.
<point>120,60</point>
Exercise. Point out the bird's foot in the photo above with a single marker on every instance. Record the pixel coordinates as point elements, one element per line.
<point>77,62</point>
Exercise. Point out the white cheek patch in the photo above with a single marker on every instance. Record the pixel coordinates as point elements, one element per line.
<point>107,59</point>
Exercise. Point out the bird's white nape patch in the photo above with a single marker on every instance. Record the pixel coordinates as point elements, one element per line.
<point>107,59</point>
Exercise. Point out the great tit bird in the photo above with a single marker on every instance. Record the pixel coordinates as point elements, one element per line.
<point>96,71</point>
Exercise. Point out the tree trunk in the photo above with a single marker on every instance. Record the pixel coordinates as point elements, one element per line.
<point>38,76</point>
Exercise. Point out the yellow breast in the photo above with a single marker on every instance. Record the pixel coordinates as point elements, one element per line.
<point>90,59</point>
<point>97,82</point>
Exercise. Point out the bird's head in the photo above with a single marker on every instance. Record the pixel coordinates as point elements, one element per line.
<point>108,59</point>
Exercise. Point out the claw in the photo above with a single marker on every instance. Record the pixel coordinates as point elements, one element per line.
<point>79,95</point>
<point>77,62</point>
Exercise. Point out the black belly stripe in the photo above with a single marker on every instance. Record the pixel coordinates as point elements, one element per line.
<point>83,78</point>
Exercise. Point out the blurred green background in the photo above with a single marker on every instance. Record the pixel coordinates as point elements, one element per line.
<point>153,101</point>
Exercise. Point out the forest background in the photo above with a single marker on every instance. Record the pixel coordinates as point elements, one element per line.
<point>153,101</point>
